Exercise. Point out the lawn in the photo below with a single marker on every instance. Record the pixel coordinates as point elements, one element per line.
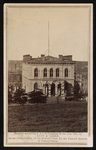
<point>64,117</point>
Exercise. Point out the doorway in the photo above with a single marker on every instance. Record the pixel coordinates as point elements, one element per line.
<point>59,89</point>
<point>53,89</point>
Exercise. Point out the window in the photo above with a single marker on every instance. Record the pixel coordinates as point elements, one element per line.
<point>45,72</point>
<point>35,86</point>
<point>35,72</point>
<point>57,72</point>
<point>66,72</point>
<point>51,72</point>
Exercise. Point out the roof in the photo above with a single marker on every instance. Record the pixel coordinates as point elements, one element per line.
<point>49,60</point>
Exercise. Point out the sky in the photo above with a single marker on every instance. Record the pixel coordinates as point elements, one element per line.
<point>27,31</point>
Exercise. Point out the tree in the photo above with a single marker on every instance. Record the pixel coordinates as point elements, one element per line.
<point>68,88</point>
<point>76,89</point>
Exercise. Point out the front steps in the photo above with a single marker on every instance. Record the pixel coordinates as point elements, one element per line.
<point>54,99</point>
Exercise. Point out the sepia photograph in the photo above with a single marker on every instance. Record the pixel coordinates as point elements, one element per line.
<point>48,73</point>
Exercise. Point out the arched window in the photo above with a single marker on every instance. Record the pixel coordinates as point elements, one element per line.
<point>57,72</point>
<point>35,86</point>
<point>66,72</point>
<point>35,72</point>
<point>45,72</point>
<point>51,72</point>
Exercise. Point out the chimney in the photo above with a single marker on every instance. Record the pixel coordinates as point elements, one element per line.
<point>27,58</point>
<point>68,57</point>
<point>61,56</point>
<point>42,55</point>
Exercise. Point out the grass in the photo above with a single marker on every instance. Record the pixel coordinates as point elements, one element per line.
<point>65,117</point>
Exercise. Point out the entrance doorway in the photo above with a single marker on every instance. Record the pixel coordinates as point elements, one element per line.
<point>53,89</point>
<point>59,89</point>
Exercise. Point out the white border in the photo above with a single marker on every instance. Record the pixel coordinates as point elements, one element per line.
<point>90,139</point>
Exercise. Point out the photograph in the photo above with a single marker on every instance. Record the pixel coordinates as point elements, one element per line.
<point>48,56</point>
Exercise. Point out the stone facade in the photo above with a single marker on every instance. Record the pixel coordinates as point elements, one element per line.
<point>47,73</point>
<point>15,73</point>
<point>81,74</point>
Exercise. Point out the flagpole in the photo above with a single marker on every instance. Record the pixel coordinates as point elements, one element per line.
<point>48,39</point>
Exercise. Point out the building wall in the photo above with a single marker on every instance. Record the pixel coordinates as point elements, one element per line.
<point>20,73</point>
<point>28,70</point>
<point>15,72</point>
<point>81,71</point>
<point>14,66</point>
<point>28,78</point>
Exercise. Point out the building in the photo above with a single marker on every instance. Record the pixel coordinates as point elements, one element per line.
<point>47,73</point>
<point>81,72</point>
<point>15,73</point>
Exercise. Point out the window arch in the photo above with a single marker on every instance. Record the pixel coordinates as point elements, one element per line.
<point>66,72</point>
<point>45,72</point>
<point>35,86</point>
<point>51,72</point>
<point>35,72</point>
<point>57,72</point>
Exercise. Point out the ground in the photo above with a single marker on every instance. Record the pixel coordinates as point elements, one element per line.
<point>65,117</point>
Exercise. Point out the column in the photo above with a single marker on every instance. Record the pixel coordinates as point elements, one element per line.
<point>56,89</point>
<point>62,91</point>
<point>49,90</point>
<point>45,90</point>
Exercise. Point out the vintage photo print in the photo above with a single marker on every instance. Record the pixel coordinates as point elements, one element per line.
<point>48,89</point>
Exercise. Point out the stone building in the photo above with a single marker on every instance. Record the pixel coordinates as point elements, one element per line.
<point>15,73</point>
<point>81,72</point>
<point>47,73</point>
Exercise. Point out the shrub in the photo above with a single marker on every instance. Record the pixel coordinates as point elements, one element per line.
<point>20,96</point>
<point>36,97</point>
<point>9,96</point>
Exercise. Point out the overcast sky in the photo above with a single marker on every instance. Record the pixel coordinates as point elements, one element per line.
<point>27,31</point>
